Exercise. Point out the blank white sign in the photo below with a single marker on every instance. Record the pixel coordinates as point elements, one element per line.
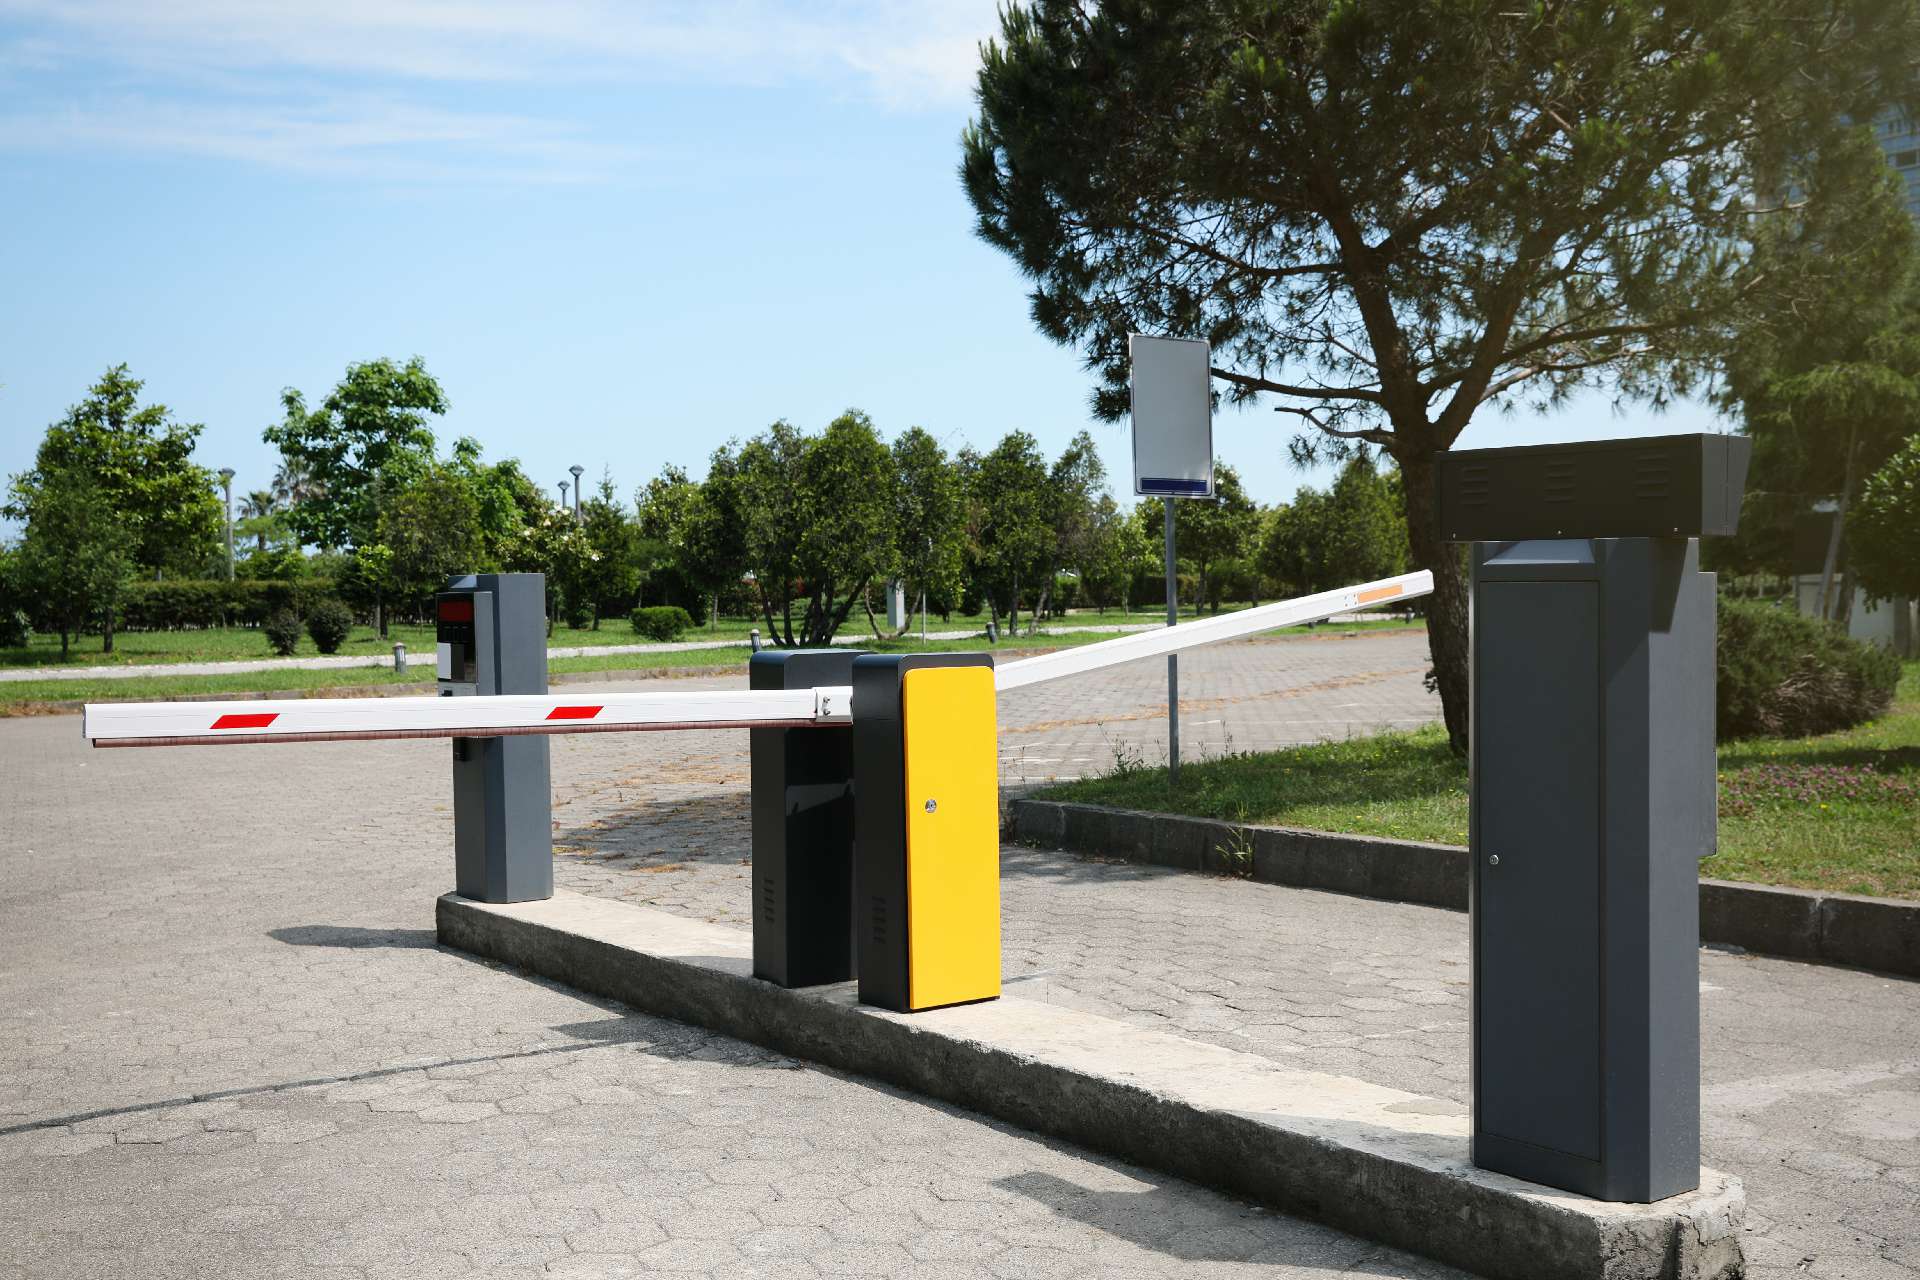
<point>1172,416</point>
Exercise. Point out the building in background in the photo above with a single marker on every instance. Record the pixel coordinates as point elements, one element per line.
<point>1899,137</point>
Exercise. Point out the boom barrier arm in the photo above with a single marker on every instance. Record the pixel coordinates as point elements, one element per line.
<point>158,724</point>
<point>1225,626</point>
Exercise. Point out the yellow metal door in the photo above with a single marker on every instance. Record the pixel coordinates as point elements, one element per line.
<point>953,836</point>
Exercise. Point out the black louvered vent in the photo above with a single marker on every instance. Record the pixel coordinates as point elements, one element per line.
<point>1652,477</point>
<point>1559,482</point>
<point>1476,485</point>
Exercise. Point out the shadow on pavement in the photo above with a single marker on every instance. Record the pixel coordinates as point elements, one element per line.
<point>347,935</point>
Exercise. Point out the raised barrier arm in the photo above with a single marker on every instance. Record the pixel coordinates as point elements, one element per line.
<point>1225,626</point>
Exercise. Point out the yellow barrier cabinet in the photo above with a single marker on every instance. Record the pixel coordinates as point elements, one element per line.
<point>926,830</point>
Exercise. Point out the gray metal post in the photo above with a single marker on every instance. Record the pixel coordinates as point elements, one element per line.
<point>492,639</point>
<point>1173,659</point>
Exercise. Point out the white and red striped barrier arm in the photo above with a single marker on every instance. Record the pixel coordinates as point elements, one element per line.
<point>153,724</point>
<point>156,724</point>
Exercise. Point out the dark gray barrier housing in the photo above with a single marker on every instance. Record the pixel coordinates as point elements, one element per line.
<point>1592,802</point>
<point>491,630</point>
<point>802,802</point>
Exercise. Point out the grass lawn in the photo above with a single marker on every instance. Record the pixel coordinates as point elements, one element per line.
<point>238,644</point>
<point>1837,812</point>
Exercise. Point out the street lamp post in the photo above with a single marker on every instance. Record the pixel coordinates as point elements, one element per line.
<point>577,470</point>
<point>563,495</point>
<point>226,485</point>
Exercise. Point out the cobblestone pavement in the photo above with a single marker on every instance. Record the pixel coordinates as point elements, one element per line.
<point>119,988</point>
<point>229,1047</point>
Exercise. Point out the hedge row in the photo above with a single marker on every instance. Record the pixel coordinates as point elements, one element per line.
<point>188,604</point>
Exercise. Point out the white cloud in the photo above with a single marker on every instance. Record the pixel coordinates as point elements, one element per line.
<point>904,52</point>
<point>380,87</point>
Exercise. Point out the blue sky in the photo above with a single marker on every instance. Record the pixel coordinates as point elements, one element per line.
<point>619,234</point>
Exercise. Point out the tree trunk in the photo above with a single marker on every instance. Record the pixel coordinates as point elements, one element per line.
<point>1447,606</point>
<point>1839,526</point>
<point>380,618</point>
<point>63,644</point>
<point>106,631</point>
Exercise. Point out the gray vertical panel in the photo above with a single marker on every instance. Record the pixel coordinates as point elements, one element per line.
<point>1537,732</point>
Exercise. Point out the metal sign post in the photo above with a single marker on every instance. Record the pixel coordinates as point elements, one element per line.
<point>1172,458</point>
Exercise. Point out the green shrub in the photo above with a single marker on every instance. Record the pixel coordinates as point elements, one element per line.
<point>16,629</point>
<point>283,631</point>
<point>1781,674</point>
<point>328,624</point>
<point>660,621</point>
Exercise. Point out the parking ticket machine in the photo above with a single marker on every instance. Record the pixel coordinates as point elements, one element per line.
<point>491,638</point>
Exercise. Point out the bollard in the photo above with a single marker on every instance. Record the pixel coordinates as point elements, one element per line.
<point>400,659</point>
<point>753,638</point>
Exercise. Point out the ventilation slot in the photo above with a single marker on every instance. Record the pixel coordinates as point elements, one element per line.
<point>1476,485</point>
<point>1559,482</point>
<point>1652,477</point>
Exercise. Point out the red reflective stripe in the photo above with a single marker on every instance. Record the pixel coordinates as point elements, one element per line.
<point>456,610</point>
<point>252,720</point>
<point>573,713</point>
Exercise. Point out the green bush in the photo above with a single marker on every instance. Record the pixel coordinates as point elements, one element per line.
<point>1781,674</point>
<point>328,624</point>
<point>660,621</point>
<point>190,604</point>
<point>16,629</point>
<point>283,631</point>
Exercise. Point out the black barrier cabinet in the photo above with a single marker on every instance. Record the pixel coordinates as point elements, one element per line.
<point>493,636</point>
<point>1592,802</point>
<point>802,801</point>
<point>880,821</point>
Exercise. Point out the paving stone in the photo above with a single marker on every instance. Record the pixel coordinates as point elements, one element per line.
<point>189,922</point>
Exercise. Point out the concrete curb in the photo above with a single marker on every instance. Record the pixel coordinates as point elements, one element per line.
<point>1832,928</point>
<point>1385,1164</point>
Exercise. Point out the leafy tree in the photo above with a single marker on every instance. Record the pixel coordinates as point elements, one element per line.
<point>614,576</point>
<point>1830,390</point>
<point>505,499</point>
<point>1353,532</point>
<point>553,543</point>
<point>1293,547</point>
<point>77,555</point>
<point>1119,552</point>
<point>1366,534</point>
<point>140,462</point>
<point>432,528</point>
<point>1074,485</point>
<point>1886,529</point>
<point>817,515</point>
<point>1209,534</point>
<point>1387,215</point>
<point>929,517</point>
<point>663,519</point>
<point>366,579</point>
<point>1012,506</point>
<point>368,438</point>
